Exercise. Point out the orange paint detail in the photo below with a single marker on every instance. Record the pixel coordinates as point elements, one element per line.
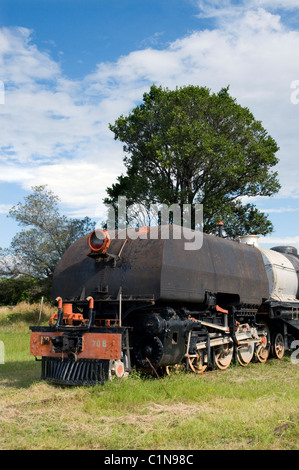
<point>53,318</point>
<point>91,302</point>
<point>101,346</point>
<point>143,230</point>
<point>68,316</point>
<point>41,345</point>
<point>69,319</point>
<point>191,318</point>
<point>67,309</point>
<point>94,345</point>
<point>221,310</point>
<point>99,241</point>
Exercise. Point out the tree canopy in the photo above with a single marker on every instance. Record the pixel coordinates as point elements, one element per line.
<point>35,251</point>
<point>190,146</point>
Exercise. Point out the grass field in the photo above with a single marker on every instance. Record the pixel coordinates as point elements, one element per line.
<point>241,408</point>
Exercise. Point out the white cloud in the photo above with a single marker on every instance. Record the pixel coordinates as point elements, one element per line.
<point>4,208</point>
<point>283,4</point>
<point>80,184</point>
<point>277,241</point>
<point>280,210</point>
<point>222,10</point>
<point>83,183</point>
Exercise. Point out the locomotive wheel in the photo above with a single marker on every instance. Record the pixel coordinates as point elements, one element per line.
<point>263,349</point>
<point>170,370</point>
<point>262,353</point>
<point>196,364</point>
<point>245,354</point>
<point>278,345</point>
<point>152,349</point>
<point>223,356</point>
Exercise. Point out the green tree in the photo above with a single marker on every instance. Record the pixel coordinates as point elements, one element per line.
<point>192,146</point>
<point>22,288</point>
<point>36,250</point>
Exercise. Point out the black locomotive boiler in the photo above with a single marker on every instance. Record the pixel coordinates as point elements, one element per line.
<point>152,304</point>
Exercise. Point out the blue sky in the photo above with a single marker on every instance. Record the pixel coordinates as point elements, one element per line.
<point>71,67</point>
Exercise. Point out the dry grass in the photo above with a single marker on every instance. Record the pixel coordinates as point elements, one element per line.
<point>241,408</point>
<point>25,308</point>
<point>22,314</point>
<point>41,416</point>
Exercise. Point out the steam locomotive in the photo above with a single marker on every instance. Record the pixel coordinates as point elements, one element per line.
<point>150,303</point>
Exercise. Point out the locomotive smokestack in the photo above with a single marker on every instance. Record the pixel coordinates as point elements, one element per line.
<point>220,229</point>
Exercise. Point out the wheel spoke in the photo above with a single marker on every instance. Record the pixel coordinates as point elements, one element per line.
<point>223,356</point>
<point>245,354</point>
<point>263,349</point>
<point>175,369</point>
<point>278,345</point>
<point>196,364</point>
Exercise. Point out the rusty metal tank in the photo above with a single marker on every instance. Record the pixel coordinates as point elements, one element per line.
<point>164,271</point>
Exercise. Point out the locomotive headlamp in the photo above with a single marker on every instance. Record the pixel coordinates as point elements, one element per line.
<point>99,240</point>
